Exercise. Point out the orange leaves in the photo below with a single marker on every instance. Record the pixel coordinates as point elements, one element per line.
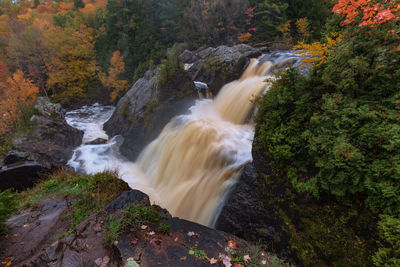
<point>372,11</point>
<point>303,27</point>
<point>244,37</point>
<point>112,81</point>
<point>17,91</point>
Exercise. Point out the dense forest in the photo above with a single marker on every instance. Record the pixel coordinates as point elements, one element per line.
<point>72,50</point>
<point>330,135</point>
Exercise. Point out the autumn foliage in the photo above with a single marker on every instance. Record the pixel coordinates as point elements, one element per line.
<point>371,12</point>
<point>17,92</point>
<point>112,80</point>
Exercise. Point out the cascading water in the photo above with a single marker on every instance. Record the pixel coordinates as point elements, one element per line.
<point>190,167</point>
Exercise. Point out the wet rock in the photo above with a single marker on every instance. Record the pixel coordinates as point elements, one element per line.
<point>98,141</point>
<point>14,156</point>
<point>34,230</point>
<point>246,215</point>
<point>220,65</point>
<point>145,109</point>
<point>21,175</point>
<point>46,108</point>
<point>130,197</point>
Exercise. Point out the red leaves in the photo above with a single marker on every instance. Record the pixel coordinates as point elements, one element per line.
<point>373,13</point>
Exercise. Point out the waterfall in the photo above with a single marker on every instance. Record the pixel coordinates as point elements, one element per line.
<point>193,162</point>
<point>197,157</point>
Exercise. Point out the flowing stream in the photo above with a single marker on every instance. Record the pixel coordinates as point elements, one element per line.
<point>197,157</point>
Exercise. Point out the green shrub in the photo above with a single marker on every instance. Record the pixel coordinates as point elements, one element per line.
<point>8,205</point>
<point>334,134</point>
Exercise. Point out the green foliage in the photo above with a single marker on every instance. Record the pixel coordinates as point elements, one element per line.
<point>151,108</point>
<point>169,67</point>
<point>90,192</point>
<point>198,253</point>
<point>8,205</point>
<point>389,252</point>
<point>113,230</point>
<point>164,228</point>
<point>335,135</point>
<point>138,215</point>
<point>125,109</point>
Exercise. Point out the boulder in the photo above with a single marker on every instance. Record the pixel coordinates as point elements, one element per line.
<point>21,175</point>
<point>145,109</point>
<point>98,141</point>
<point>14,156</point>
<point>220,65</point>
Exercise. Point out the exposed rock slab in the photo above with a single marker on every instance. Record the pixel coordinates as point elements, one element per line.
<point>146,246</point>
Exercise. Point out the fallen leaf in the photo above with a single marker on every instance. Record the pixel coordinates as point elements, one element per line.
<point>144,227</point>
<point>190,234</point>
<point>264,262</point>
<point>7,261</point>
<point>183,258</point>
<point>97,227</point>
<point>156,241</point>
<point>152,233</point>
<point>227,261</point>
<point>213,261</point>
<point>98,261</point>
<point>219,244</point>
<point>106,260</point>
<point>15,235</point>
<point>232,244</point>
<point>246,258</point>
<point>176,239</point>
<point>134,241</point>
<point>26,225</point>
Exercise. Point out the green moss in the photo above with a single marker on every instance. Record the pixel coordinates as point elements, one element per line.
<point>8,205</point>
<point>124,112</point>
<point>151,108</point>
<point>91,193</point>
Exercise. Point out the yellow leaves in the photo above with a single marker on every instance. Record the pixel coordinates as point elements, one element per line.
<point>7,261</point>
<point>316,53</point>
<point>16,91</point>
<point>112,81</point>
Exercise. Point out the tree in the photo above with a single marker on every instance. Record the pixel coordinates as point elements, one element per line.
<point>113,81</point>
<point>18,92</point>
<point>269,16</point>
<point>78,4</point>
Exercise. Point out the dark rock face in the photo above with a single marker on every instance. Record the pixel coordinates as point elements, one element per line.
<point>143,112</point>
<point>21,176</point>
<point>246,215</point>
<point>49,145</point>
<point>220,65</point>
<point>130,197</point>
<point>147,246</point>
